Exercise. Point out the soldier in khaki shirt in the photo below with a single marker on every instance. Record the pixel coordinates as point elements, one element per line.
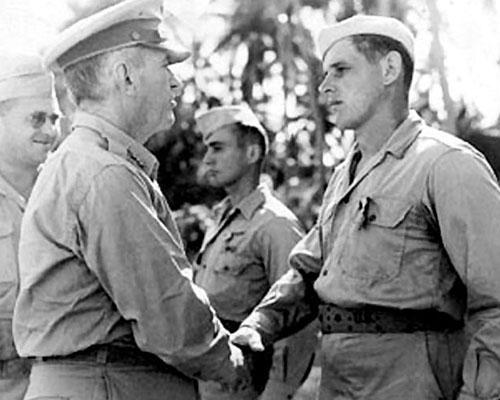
<point>27,135</point>
<point>403,264</point>
<point>247,249</point>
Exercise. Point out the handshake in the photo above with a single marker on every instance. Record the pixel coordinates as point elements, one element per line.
<point>251,362</point>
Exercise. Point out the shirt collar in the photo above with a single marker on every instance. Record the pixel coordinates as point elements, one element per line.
<point>7,190</point>
<point>253,201</point>
<point>246,206</point>
<point>404,135</point>
<point>119,142</point>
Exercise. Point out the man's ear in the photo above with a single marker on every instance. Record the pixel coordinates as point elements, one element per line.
<point>392,67</point>
<point>253,153</point>
<point>125,77</point>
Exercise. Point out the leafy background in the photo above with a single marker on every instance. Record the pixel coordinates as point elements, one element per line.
<point>262,52</point>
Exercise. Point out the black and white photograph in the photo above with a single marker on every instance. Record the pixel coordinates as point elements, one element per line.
<point>249,199</point>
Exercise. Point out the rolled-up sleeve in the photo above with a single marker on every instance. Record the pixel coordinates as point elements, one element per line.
<point>139,263</point>
<point>466,199</point>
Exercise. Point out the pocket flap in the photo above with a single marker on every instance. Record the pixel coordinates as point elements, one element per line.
<point>387,212</point>
<point>232,264</point>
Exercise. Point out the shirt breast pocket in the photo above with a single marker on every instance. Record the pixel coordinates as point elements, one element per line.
<point>8,253</point>
<point>234,261</point>
<point>232,265</point>
<point>377,235</point>
<point>8,269</point>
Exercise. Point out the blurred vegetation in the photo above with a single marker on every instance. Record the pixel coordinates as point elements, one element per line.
<point>262,52</point>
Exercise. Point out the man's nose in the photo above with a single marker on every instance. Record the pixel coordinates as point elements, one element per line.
<point>326,85</point>
<point>207,158</point>
<point>175,85</point>
<point>49,129</point>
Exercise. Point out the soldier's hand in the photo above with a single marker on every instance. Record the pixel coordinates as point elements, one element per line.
<point>247,337</point>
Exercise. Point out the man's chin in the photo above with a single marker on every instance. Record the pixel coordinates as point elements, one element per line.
<point>158,140</point>
<point>213,182</point>
<point>165,125</point>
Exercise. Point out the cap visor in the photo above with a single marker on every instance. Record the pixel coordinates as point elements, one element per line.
<point>175,55</point>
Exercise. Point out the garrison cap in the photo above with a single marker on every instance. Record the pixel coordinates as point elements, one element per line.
<point>128,23</point>
<point>218,117</point>
<point>366,25</point>
<point>22,75</point>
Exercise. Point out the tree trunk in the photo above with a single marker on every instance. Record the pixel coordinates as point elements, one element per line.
<point>438,57</point>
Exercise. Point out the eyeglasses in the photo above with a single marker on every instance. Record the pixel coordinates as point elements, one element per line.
<point>39,118</point>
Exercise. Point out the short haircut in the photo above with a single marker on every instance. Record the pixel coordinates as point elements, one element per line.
<point>248,135</point>
<point>83,79</point>
<point>86,79</point>
<point>375,46</point>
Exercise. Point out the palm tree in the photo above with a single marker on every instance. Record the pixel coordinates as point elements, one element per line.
<point>279,53</point>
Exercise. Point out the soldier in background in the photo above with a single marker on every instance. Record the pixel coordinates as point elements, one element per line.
<point>247,250</point>
<point>27,134</point>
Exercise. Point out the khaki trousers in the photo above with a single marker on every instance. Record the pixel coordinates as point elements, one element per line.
<point>71,380</point>
<point>395,366</point>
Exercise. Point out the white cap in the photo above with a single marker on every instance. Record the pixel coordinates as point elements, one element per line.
<point>128,23</point>
<point>366,25</point>
<point>218,117</point>
<point>22,75</point>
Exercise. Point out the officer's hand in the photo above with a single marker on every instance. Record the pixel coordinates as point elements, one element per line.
<point>247,337</point>
<point>239,378</point>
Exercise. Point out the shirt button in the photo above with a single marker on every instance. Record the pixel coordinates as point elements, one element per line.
<point>325,272</point>
<point>372,218</point>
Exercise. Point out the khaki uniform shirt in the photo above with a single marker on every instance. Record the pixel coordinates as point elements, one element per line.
<point>12,206</point>
<point>417,228</point>
<point>246,252</point>
<point>101,259</point>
